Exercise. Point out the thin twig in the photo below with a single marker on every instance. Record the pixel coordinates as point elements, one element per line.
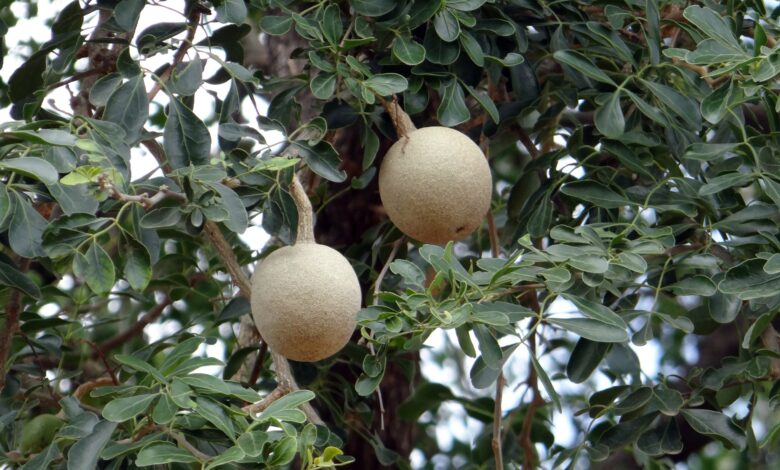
<point>529,460</point>
<point>258,367</point>
<point>383,272</point>
<point>192,27</point>
<point>144,199</point>
<point>183,442</point>
<point>96,349</point>
<point>498,454</point>
<point>135,329</point>
<point>498,414</point>
<point>12,310</point>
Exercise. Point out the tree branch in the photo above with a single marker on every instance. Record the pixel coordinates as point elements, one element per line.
<point>12,309</point>
<point>192,27</point>
<point>401,121</point>
<point>135,329</point>
<point>146,201</point>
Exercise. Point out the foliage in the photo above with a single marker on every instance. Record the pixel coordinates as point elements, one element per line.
<point>634,151</point>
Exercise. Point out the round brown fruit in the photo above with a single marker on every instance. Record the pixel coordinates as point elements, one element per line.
<point>435,184</point>
<point>305,300</point>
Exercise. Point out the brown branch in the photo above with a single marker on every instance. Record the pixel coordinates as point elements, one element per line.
<point>183,442</point>
<point>383,271</point>
<point>144,199</point>
<point>96,350</point>
<point>529,461</point>
<point>12,310</point>
<point>258,367</point>
<point>527,142</point>
<point>192,27</point>
<point>228,258</point>
<point>135,329</point>
<point>498,454</point>
<point>76,77</point>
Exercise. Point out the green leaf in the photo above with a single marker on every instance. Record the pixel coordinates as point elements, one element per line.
<point>126,14</point>
<point>408,51</point>
<point>446,25</point>
<point>164,410</point>
<point>757,329</point>
<point>717,425</point>
<point>464,5</point>
<point>488,346</point>
<point>276,25</point>
<point>230,11</point>
<point>707,152</point>
<point>663,440</point>
<point>207,382</point>
<point>596,311</point>
<point>583,65</point>
<point>546,382</point>
<point>409,271</point>
<point>26,229</point>
<point>427,396</point>
<point>386,84</point>
<point>322,158</point>
<point>585,358</point>
<point>372,7</point>
<point>452,110</point>
<point>215,414</point>
<point>595,193</point>
<point>34,167</point>
<point>54,137</point>
<point>609,118</point>
<point>96,268</point>
<point>472,48</point>
<point>161,217</point>
<point>185,138</point>
<point>138,265</point>
<point>140,365</point>
<point>252,442</point>
<point>233,454</point>
<point>128,107</point>
<point>283,452</point>
<point>483,376</point>
<point>748,280</point>
<point>43,459</point>
<point>123,409</point>
<point>592,329</point>
<point>323,85</point>
<point>487,104</point>
<point>288,402</point>
<point>712,24</point>
<point>11,276</point>
<point>633,401</point>
<point>695,285</point>
<point>726,181</point>
<point>163,453</point>
<point>237,220</point>
<point>86,452</point>
<point>186,78</point>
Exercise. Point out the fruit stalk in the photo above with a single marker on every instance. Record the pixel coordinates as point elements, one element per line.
<point>305,213</point>
<point>401,121</point>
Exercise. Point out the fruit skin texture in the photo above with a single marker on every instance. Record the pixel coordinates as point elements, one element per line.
<point>39,432</point>
<point>305,300</point>
<point>436,185</point>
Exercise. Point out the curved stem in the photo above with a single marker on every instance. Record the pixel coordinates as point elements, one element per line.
<point>401,121</point>
<point>305,214</point>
